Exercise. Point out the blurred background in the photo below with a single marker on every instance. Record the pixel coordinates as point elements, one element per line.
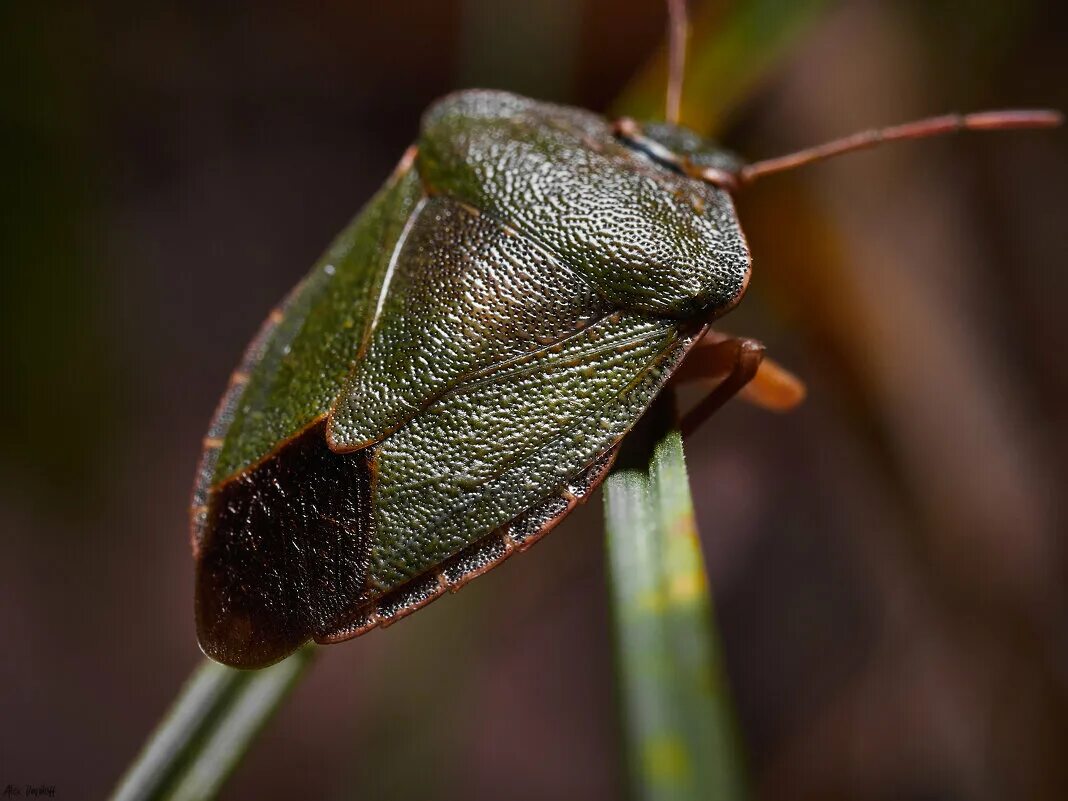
<point>888,562</point>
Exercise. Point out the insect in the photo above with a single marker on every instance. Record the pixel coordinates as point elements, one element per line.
<point>458,370</point>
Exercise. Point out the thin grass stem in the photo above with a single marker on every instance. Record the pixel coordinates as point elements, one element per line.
<point>680,739</point>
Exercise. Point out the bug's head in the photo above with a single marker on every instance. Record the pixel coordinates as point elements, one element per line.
<point>683,152</point>
<point>710,265</point>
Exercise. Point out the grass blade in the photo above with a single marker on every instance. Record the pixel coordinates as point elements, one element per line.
<point>208,730</point>
<point>679,732</point>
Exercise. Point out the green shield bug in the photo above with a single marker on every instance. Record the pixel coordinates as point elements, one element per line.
<point>457,371</point>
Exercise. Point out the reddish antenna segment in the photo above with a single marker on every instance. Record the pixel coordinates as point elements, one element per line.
<point>678,28</point>
<point>920,129</point>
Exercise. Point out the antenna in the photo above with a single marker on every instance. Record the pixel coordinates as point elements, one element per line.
<point>678,29</point>
<point>920,129</point>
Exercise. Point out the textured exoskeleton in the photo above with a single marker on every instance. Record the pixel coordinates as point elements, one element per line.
<point>456,371</point>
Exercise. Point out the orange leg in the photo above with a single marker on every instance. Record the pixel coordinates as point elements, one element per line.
<point>774,388</point>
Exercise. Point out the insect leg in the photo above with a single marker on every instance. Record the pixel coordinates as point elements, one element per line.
<point>741,365</point>
<point>738,359</point>
<point>773,388</point>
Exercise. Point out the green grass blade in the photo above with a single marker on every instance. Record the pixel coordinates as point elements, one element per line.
<point>679,733</point>
<point>208,730</point>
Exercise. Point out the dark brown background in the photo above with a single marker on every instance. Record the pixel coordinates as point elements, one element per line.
<point>888,562</point>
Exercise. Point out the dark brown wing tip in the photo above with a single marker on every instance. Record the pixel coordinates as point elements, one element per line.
<point>283,551</point>
<point>249,617</point>
<point>238,656</point>
<point>241,638</point>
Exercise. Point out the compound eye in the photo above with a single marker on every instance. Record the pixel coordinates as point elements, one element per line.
<point>630,133</point>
